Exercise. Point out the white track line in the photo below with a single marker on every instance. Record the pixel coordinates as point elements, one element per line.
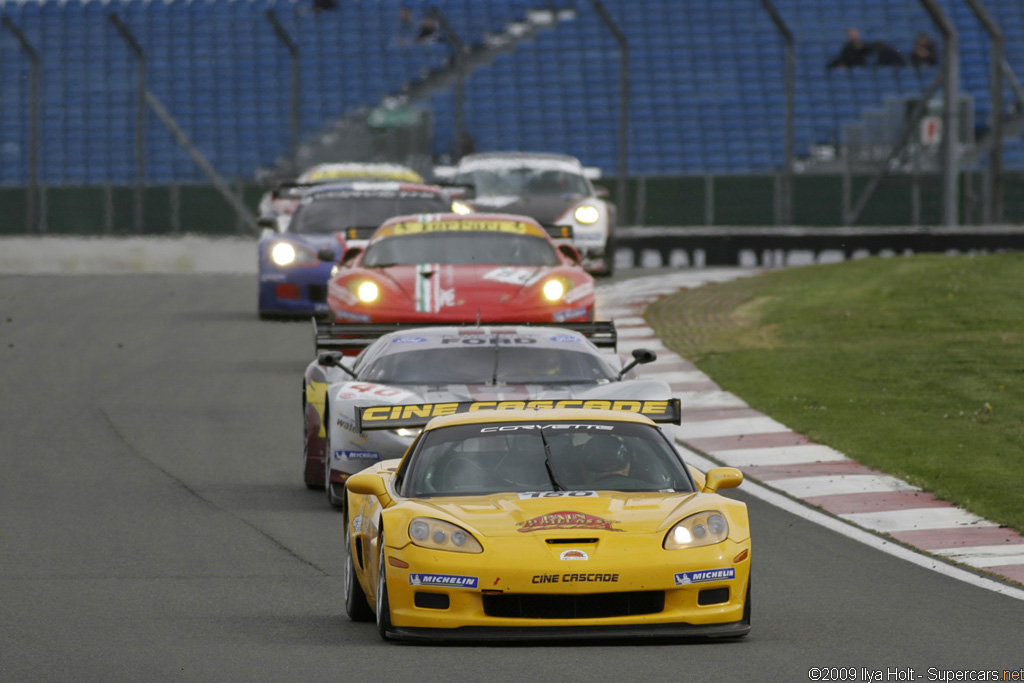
<point>986,555</point>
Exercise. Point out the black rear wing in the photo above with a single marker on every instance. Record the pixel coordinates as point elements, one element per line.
<point>291,189</point>
<point>359,232</point>
<point>559,232</point>
<point>357,336</point>
<point>665,411</point>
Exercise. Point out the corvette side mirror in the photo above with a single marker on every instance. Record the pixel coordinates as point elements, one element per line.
<point>369,484</point>
<point>722,478</point>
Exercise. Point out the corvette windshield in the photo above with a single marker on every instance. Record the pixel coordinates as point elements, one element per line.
<point>337,213</point>
<point>487,365</point>
<point>461,248</point>
<point>520,180</point>
<point>497,457</point>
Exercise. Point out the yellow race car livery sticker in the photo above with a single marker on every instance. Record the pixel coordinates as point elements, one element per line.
<point>422,227</point>
<point>417,415</point>
<point>566,520</point>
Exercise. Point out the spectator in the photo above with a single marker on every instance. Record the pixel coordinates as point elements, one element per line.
<point>324,6</point>
<point>854,53</point>
<point>429,32</point>
<point>406,29</point>
<point>464,145</point>
<point>924,51</point>
<point>887,55</point>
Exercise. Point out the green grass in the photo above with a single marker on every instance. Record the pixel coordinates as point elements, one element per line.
<point>911,365</point>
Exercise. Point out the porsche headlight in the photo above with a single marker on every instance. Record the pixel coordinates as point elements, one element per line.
<point>461,208</point>
<point>433,533</point>
<point>703,528</point>
<point>283,254</point>
<point>553,290</point>
<point>587,214</point>
<point>368,292</point>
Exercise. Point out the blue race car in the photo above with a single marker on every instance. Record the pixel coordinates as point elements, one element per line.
<point>297,254</point>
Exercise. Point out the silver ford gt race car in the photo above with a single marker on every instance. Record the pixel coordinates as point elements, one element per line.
<point>416,368</point>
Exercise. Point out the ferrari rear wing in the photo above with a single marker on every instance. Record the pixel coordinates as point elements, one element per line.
<point>357,336</point>
<point>417,415</point>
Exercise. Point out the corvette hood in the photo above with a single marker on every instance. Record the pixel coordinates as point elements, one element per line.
<point>542,208</point>
<point>599,514</point>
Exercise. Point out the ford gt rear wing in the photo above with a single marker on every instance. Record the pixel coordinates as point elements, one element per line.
<point>357,336</point>
<point>417,415</point>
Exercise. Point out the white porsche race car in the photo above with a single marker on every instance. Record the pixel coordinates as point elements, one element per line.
<point>552,189</point>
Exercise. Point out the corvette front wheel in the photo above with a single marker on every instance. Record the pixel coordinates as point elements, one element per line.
<point>356,605</point>
<point>383,608</point>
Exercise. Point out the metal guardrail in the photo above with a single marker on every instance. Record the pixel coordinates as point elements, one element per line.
<point>771,246</point>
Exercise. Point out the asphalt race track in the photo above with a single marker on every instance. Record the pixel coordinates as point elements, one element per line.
<point>154,526</point>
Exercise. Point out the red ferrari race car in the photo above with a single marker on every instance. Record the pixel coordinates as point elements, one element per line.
<point>461,268</point>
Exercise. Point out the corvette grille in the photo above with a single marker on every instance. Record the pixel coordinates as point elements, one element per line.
<point>587,606</point>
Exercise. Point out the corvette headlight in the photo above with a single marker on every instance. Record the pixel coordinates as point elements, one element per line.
<point>407,432</point>
<point>461,208</point>
<point>553,290</point>
<point>587,214</point>
<point>368,292</point>
<point>433,533</point>
<point>703,528</point>
<point>283,254</point>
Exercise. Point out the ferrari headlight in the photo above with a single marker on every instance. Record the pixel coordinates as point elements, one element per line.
<point>587,214</point>
<point>553,290</point>
<point>283,254</point>
<point>437,535</point>
<point>704,528</point>
<point>461,208</point>
<point>368,292</point>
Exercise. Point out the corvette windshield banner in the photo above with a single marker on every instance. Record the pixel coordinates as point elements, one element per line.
<point>419,414</point>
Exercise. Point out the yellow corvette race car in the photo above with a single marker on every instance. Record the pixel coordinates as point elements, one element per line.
<point>504,523</point>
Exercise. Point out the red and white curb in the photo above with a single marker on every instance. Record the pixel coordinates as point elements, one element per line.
<point>729,432</point>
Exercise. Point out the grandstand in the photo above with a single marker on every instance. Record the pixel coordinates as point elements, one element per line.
<point>706,80</point>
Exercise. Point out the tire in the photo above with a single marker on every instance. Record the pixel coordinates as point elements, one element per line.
<point>609,259</point>
<point>356,605</point>
<point>383,607</point>
<point>305,449</point>
<point>746,606</point>
<point>335,502</point>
